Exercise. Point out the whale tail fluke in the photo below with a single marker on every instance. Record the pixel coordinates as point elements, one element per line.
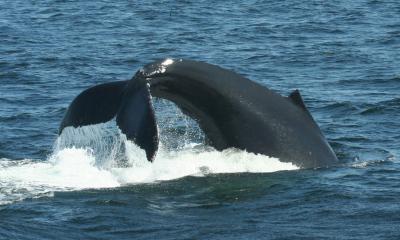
<point>95,105</point>
<point>136,117</point>
<point>128,101</point>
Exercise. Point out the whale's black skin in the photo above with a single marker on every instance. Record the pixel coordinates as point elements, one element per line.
<point>233,111</point>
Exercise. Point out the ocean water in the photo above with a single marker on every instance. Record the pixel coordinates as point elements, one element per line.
<point>90,183</point>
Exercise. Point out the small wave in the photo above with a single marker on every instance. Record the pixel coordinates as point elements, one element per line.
<point>340,105</point>
<point>340,108</point>
<point>385,82</point>
<point>363,163</point>
<point>392,105</point>
<point>18,116</point>
<point>352,139</point>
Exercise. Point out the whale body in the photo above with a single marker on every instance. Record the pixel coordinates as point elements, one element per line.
<point>232,111</point>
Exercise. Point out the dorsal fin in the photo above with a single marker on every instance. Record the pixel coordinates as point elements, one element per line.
<point>296,98</point>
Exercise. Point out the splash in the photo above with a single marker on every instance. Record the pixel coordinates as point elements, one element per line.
<point>99,156</point>
<point>77,168</point>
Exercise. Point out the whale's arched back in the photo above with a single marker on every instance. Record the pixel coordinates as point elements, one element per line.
<point>232,110</point>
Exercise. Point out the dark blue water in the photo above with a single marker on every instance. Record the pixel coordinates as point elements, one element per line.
<point>344,56</point>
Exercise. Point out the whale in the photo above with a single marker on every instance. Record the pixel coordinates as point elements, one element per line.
<point>232,111</point>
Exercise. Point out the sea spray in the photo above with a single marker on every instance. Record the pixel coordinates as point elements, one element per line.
<point>75,169</point>
<point>100,156</point>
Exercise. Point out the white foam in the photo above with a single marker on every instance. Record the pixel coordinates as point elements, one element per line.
<point>99,156</point>
<point>76,169</point>
<point>173,165</point>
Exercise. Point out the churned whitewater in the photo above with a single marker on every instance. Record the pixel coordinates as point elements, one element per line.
<point>90,183</point>
<point>105,161</point>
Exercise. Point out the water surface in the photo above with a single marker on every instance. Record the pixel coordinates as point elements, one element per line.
<point>342,55</point>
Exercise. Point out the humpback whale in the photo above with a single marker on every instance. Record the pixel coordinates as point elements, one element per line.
<point>231,110</point>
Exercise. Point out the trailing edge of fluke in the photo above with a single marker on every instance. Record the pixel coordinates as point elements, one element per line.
<point>233,111</point>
